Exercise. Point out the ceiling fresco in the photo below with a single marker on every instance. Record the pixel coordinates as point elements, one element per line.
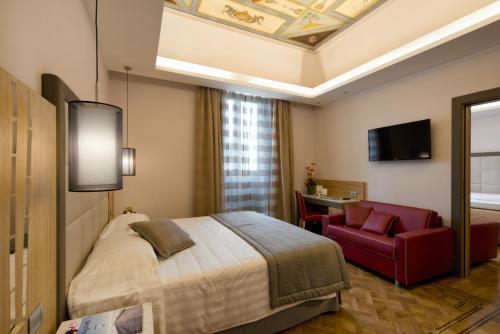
<point>307,23</point>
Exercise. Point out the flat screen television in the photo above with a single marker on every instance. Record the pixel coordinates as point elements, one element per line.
<point>408,141</point>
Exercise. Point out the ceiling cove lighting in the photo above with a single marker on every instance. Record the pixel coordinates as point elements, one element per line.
<point>128,153</point>
<point>207,72</point>
<point>94,141</point>
<point>481,17</point>
<point>485,106</point>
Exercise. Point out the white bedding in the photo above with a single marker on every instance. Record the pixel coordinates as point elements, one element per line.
<point>219,283</point>
<point>485,201</point>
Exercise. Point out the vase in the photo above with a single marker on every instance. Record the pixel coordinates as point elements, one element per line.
<point>310,187</point>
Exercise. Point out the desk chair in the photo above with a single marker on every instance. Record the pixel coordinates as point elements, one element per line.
<point>304,215</point>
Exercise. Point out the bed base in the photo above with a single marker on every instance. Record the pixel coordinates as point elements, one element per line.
<point>287,318</point>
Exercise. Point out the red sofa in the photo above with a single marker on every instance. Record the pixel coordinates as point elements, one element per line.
<point>416,247</point>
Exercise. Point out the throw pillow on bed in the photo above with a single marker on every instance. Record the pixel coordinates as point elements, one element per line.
<point>164,235</point>
<point>356,215</point>
<point>379,222</point>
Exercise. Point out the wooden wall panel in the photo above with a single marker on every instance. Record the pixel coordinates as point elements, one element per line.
<point>5,192</point>
<point>33,185</point>
<point>343,188</point>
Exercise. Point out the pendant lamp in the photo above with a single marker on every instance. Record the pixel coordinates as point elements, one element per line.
<point>128,153</point>
<point>94,140</point>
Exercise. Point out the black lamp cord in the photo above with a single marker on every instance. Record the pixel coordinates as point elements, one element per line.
<point>96,55</point>
<point>126,143</point>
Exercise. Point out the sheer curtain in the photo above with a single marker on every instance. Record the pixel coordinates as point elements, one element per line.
<point>257,156</point>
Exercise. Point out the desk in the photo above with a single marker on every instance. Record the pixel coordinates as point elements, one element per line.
<point>328,201</point>
<point>325,205</point>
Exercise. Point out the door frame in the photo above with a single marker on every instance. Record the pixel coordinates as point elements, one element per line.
<point>460,173</point>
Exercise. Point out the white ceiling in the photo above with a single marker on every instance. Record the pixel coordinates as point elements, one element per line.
<point>130,35</point>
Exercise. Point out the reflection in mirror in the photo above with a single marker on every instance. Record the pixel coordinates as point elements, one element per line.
<point>12,234</point>
<point>27,213</point>
<point>484,182</point>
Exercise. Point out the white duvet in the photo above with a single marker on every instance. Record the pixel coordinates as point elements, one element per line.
<point>219,283</point>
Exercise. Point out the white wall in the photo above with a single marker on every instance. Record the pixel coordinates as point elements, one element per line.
<point>485,132</point>
<point>341,141</point>
<point>162,129</point>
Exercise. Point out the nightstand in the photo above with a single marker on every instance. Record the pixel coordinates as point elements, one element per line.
<point>106,321</point>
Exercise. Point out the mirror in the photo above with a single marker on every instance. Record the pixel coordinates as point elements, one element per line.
<point>12,234</point>
<point>20,188</point>
<point>485,183</point>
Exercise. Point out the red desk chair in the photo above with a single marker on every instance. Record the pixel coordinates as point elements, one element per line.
<point>304,215</point>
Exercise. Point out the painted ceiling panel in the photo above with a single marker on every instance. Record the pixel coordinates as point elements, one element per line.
<point>306,23</point>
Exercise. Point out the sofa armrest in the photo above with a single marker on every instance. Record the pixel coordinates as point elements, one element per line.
<point>423,254</point>
<point>336,219</point>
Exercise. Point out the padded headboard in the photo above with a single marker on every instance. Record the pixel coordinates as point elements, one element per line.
<point>80,216</point>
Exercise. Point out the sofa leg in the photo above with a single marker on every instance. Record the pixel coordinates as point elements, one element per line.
<point>396,283</point>
<point>339,297</point>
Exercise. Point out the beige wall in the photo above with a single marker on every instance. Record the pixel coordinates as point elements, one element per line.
<point>341,142</point>
<point>161,128</point>
<point>211,44</point>
<point>54,36</point>
<point>375,34</point>
<point>303,141</point>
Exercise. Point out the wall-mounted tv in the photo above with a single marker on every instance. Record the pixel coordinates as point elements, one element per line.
<point>408,141</point>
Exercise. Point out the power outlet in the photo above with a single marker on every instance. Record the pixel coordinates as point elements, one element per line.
<point>35,320</point>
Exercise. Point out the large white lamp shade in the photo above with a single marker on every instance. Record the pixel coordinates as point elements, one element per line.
<point>95,146</point>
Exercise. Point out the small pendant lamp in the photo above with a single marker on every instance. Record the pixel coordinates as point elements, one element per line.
<point>94,140</point>
<point>128,154</point>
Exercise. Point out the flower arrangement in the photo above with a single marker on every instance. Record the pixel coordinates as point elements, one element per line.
<point>309,183</point>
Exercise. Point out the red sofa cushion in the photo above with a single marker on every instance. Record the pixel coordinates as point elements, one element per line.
<point>382,245</point>
<point>410,219</point>
<point>378,222</point>
<point>356,215</point>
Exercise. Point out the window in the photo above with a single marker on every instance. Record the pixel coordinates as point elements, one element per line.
<point>251,176</point>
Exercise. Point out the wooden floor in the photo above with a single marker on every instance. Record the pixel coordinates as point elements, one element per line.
<point>446,305</point>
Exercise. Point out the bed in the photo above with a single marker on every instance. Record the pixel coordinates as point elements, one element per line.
<point>221,284</point>
<point>485,201</point>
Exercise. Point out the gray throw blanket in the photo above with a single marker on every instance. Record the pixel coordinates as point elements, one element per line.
<point>301,265</point>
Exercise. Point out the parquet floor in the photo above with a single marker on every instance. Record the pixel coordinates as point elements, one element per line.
<point>447,305</point>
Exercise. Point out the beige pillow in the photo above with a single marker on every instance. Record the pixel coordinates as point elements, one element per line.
<point>164,235</point>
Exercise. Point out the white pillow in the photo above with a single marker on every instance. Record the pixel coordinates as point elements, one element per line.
<point>121,269</point>
<point>120,224</point>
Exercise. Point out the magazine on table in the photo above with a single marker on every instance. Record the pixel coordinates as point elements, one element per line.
<point>124,321</point>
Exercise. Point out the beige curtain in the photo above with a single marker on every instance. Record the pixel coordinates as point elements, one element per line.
<point>209,170</point>
<point>282,119</point>
<point>240,166</point>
